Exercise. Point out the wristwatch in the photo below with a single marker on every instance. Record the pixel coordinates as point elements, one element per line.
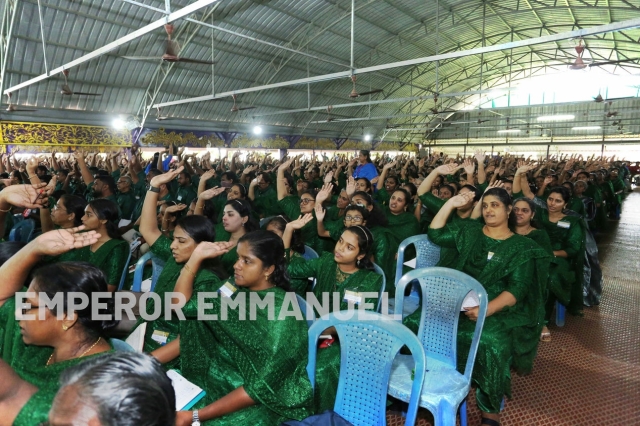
<point>196,419</point>
<point>154,189</point>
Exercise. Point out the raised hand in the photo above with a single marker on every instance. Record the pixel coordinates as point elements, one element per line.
<point>328,178</point>
<point>391,165</point>
<point>461,200</point>
<point>548,180</point>
<point>207,175</point>
<point>175,208</point>
<point>324,193</point>
<point>448,169</point>
<point>56,242</point>
<point>284,166</point>
<point>351,186</point>
<point>211,193</point>
<point>300,222</point>
<point>479,155</point>
<point>495,184</point>
<point>320,212</point>
<point>209,250</point>
<point>27,196</point>
<point>469,168</point>
<point>166,177</point>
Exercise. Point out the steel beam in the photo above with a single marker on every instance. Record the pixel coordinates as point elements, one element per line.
<point>616,26</point>
<point>197,5</point>
<point>8,18</point>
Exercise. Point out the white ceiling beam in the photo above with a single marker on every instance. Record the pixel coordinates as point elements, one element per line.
<point>584,32</point>
<point>117,43</point>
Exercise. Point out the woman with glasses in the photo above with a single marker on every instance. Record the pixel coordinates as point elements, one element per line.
<point>67,213</point>
<point>39,343</point>
<point>294,207</point>
<point>346,274</point>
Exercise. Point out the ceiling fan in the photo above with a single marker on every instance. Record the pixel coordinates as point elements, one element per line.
<point>436,110</point>
<point>171,52</point>
<point>354,93</point>
<point>15,108</point>
<point>66,90</point>
<point>160,117</point>
<point>235,108</point>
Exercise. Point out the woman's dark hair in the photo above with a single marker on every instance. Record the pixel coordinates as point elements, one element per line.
<point>364,212</point>
<point>265,177</point>
<point>395,179</point>
<point>407,196</point>
<point>365,245</point>
<point>532,206</point>
<point>280,223</point>
<point>208,210</point>
<point>411,188</point>
<point>366,154</point>
<point>8,249</point>
<point>76,205</point>
<point>243,207</point>
<point>367,184</point>
<point>476,194</point>
<point>16,174</point>
<point>125,388</point>
<point>242,189</point>
<point>570,186</point>
<point>198,227</point>
<point>376,215</point>
<point>230,176</point>
<point>269,248</point>
<point>107,210</point>
<point>289,179</point>
<point>501,194</point>
<point>172,214</point>
<point>449,187</point>
<point>564,193</point>
<point>78,277</point>
<point>312,192</point>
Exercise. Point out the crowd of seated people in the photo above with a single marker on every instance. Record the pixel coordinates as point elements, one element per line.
<point>523,228</point>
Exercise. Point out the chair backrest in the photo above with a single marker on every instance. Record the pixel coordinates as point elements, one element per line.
<point>368,344</point>
<point>157,265</point>
<point>427,253</point>
<point>379,270</point>
<point>443,292</point>
<point>22,231</point>
<point>123,278</point>
<point>307,310</point>
<point>309,253</point>
<point>121,346</point>
<point>264,220</point>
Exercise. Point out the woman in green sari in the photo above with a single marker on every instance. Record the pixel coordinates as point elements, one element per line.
<point>254,370</point>
<point>66,214</point>
<point>343,279</point>
<point>189,232</point>
<point>37,343</point>
<point>236,222</point>
<point>512,269</point>
<point>402,223</point>
<point>110,252</point>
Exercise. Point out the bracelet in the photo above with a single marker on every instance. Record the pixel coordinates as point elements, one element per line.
<point>186,267</point>
<point>164,230</point>
<point>6,211</point>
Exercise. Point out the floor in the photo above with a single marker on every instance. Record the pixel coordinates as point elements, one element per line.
<point>589,373</point>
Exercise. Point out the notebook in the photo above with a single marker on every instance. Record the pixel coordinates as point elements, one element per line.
<point>471,300</point>
<point>136,338</point>
<point>187,394</point>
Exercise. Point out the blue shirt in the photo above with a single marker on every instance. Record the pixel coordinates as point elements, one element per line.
<point>367,170</point>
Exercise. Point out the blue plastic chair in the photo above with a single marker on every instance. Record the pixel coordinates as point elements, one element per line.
<point>427,255</point>
<point>121,346</point>
<point>123,278</point>
<point>444,389</point>
<point>560,313</point>
<point>368,345</point>
<point>309,253</point>
<point>22,231</point>
<point>306,310</point>
<point>265,220</point>
<point>379,270</point>
<point>157,265</point>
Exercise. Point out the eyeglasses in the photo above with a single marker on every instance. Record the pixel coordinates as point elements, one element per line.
<point>353,218</point>
<point>306,201</point>
<point>24,308</point>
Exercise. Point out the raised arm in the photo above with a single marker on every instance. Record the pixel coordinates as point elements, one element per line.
<point>287,236</point>
<point>446,169</point>
<point>280,184</point>
<point>440,220</point>
<point>383,175</point>
<point>320,212</point>
<point>148,218</point>
<point>87,177</point>
<point>482,175</point>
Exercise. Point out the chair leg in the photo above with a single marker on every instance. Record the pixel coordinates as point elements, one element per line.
<point>463,413</point>
<point>445,415</point>
<point>560,313</point>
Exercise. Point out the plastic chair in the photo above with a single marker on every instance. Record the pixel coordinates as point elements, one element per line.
<point>265,220</point>
<point>306,310</point>
<point>121,346</point>
<point>123,278</point>
<point>444,389</point>
<point>309,253</point>
<point>379,270</point>
<point>157,265</point>
<point>368,345</point>
<point>22,231</point>
<point>427,255</point>
<point>560,313</point>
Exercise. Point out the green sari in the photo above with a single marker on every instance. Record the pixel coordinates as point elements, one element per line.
<point>266,202</point>
<point>403,225</point>
<point>325,270</point>
<point>205,281</point>
<point>267,357</point>
<point>291,208</point>
<point>518,266</point>
<point>566,274</point>
<point>111,258</point>
<point>30,363</point>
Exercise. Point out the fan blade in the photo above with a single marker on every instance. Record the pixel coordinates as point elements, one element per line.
<point>371,92</point>
<point>245,108</point>
<point>482,121</point>
<point>66,90</point>
<point>598,64</point>
<point>171,48</point>
<point>87,94</point>
<point>195,61</point>
<point>142,58</point>
<point>163,118</point>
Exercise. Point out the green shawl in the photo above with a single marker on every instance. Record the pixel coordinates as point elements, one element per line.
<point>111,258</point>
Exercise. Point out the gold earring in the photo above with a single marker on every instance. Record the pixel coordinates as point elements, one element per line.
<point>65,327</point>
